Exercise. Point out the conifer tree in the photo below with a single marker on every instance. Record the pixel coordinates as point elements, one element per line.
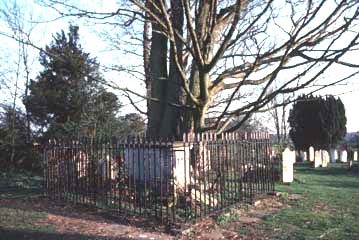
<point>66,97</point>
<point>317,121</point>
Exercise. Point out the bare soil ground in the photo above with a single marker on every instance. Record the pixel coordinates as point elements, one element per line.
<point>65,221</point>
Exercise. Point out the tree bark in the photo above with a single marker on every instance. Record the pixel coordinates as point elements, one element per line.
<point>27,82</point>
<point>165,119</point>
<point>172,121</point>
<point>159,77</point>
<point>147,56</point>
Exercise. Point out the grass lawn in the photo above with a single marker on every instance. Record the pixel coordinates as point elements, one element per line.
<point>319,204</point>
<point>15,221</point>
<point>327,206</point>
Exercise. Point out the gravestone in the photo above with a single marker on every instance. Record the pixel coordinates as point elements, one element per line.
<point>336,155</point>
<point>350,164</point>
<point>325,158</point>
<point>317,159</point>
<point>344,156</point>
<point>288,159</point>
<point>333,153</point>
<point>355,156</point>
<point>311,154</point>
<point>303,155</point>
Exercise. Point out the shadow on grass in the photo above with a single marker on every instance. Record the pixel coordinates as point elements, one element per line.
<point>11,234</point>
<point>18,192</point>
<point>340,184</point>
<point>333,169</point>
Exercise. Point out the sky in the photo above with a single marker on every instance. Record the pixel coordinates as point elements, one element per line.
<point>46,24</point>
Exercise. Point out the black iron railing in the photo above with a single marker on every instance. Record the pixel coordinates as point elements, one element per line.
<point>170,180</point>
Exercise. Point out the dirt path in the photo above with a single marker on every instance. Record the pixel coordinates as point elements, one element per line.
<point>81,221</point>
<point>237,223</point>
<point>78,222</point>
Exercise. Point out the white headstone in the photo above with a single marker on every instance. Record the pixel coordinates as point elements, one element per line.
<point>333,155</point>
<point>325,158</point>
<point>287,165</point>
<point>344,156</point>
<point>355,156</point>
<point>336,157</point>
<point>317,158</point>
<point>311,154</point>
<point>303,156</point>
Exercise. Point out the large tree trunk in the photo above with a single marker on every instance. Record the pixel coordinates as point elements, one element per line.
<point>165,117</point>
<point>192,115</point>
<point>159,77</point>
<point>172,121</point>
<point>199,80</point>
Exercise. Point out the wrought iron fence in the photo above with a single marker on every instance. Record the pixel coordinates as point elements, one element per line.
<point>170,180</point>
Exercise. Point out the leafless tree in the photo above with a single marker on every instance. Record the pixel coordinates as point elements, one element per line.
<point>14,17</point>
<point>226,49</point>
<point>279,117</point>
<point>233,40</point>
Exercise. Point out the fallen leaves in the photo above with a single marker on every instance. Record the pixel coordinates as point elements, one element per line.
<point>75,219</point>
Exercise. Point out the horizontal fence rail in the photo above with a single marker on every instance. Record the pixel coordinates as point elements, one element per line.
<point>170,180</point>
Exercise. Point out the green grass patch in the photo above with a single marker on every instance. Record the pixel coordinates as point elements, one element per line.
<point>20,185</point>
<point>18,220</point>
<point>328,207</point>
<point>21,219</point>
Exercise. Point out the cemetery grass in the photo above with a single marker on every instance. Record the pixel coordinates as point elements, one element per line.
<point>323,203</point>
<point>14,220</point>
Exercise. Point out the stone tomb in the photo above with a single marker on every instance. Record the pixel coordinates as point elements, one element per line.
<point>148,164</point>
<point>157,163</point>
<point>288,159</point>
